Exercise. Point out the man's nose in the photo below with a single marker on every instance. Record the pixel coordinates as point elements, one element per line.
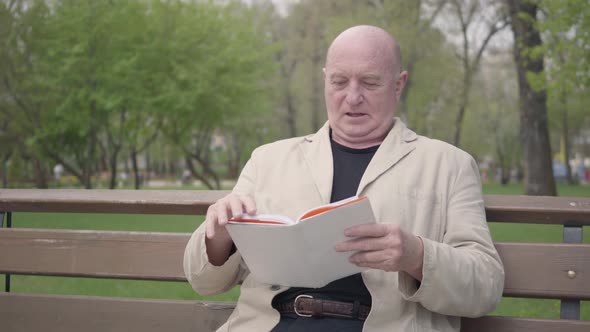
<point>354,95</point>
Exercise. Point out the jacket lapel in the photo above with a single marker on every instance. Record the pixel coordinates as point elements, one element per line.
<point>399,142</point>
<point>317,152</point>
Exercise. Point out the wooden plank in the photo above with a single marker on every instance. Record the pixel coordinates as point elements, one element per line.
<point>101,254</point>
<point>51,313</point>
<point>538,209</point>
<point>54,313</point>
<point>517,209</point>
<point>158,256</point>
<point>517,324</point>
<point>189,202</point>
<point>541,270</point>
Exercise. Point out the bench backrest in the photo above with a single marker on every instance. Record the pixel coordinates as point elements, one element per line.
<point>537,270</point>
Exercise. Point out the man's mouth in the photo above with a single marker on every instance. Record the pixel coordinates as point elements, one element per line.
<point>354,115</point>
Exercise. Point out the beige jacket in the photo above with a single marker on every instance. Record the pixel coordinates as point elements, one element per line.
<point>430,188</point>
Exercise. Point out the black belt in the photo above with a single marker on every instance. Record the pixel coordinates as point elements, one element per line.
<point>308,306</point>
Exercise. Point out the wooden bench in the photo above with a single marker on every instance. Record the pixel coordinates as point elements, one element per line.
<point>533,270</point>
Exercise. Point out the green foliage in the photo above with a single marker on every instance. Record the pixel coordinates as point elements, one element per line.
<point>94,77</point>
<point>566,34</point>
<point>84,82</point>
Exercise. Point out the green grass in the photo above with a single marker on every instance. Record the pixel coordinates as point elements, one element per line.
<point>176,290</point>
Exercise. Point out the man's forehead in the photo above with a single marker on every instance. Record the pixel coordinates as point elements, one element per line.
<point>364,45</point>
<point>374,75</point>
<point>355,67</point>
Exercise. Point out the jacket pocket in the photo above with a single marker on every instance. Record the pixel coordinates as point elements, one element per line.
<point>419,212</point>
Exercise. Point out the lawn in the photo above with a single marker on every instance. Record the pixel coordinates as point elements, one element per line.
<point>176,290</point>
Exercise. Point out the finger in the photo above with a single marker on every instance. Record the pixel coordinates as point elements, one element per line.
<point>376,266</point>
<point>375,258</point>
<point>366,244</point>
<point>235,204</point>
<point>370,230</point>
<point>221,209</point>
<point>210,221</point>
<point>385,261</point>
<point>249,204</point>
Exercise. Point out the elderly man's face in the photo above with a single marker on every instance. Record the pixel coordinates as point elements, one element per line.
<point>362,92</point>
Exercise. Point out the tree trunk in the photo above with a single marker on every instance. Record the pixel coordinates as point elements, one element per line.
<point>200,176</point>
<point>134,165</point>
<point>504,171</point>
<point>317,39</point>
<point>316,109</point>
<point>113,168</point>
<point>534,133</point>
<point>103,159</point>
<point>463,102</point>
<point>504,176</point>
<point>403,113</point>
<point>4,175</point>
<point>291,114</point>
<point>565,136</point>
<point>40,174</point>
<point>148,167</point>
<point>234,153</point>
<point>4,170</point>
<point>87,180</point>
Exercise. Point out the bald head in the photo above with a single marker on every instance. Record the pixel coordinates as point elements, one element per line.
<point>363,84</point>
<point>379,41</point>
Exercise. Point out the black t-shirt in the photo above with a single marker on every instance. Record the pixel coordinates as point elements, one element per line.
<point>349,167</point>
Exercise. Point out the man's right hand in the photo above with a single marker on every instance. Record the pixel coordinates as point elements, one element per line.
<point>218,241</point>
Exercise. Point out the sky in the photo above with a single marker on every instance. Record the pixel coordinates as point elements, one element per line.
<point>282,5</point>
<point>503,40</point>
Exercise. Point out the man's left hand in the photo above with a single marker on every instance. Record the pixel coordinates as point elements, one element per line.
<point>386,247</point>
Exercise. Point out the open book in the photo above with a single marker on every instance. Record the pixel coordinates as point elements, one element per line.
<point>300,253</point>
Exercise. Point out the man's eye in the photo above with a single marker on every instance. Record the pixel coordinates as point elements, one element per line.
<point>370,84</point>
<point>339,83</point>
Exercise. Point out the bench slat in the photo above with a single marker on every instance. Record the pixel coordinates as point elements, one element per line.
<point>51,313</point>
<point>57,313</point>
<point>187,202</point>
<point>538,209</point>
<point>158,256</point>
<point>541,270</point>
<point>99,254</point>
<point>513,324</point>
<point>499,208</point>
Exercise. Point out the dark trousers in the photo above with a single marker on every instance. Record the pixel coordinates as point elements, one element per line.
<point>294,323</point>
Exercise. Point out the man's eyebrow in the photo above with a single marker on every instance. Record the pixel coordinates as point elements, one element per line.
<point>337,75</point>
<point>371,77</point>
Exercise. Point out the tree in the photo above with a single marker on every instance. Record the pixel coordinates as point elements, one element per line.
<point>21,25</point>
<point>200,92</point>
<point>470,14</point>
<point>284,32</point>
<point>533,102</point>
<point>564,28</point>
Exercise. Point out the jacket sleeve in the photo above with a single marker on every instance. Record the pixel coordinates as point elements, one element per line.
<point>204,277</point>
<point>463,275</point>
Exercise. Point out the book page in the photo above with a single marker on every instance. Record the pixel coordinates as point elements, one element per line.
<point>276,219</point>
<point>303,254</point>
<point>266,219</point>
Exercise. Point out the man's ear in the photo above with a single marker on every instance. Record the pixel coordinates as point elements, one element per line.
<point>400,84</point>
<point>324,73</point>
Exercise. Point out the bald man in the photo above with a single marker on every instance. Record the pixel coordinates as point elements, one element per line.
<point>430,257</point>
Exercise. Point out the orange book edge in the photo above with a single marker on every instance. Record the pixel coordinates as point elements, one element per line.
<point>257,221</point>
<point>323,209</point>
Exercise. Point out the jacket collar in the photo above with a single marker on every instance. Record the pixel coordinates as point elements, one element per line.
<point>317,152</point>
<point>397,144</point>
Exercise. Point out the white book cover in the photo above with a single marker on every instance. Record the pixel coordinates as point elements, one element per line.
<point>300,253</point>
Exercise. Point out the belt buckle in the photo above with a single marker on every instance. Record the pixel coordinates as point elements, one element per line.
<point>295,305</point>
